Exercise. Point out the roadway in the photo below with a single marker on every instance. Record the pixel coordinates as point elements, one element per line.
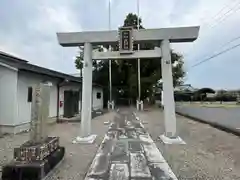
<point>227,117</point>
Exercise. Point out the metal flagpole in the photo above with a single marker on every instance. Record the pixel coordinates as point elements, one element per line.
<point>110,62</point>
<point>139,77</point>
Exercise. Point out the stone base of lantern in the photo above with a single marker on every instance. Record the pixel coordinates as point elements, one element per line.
<point>34,160</point>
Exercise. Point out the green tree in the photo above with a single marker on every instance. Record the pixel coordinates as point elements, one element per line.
<point>79,58</point>
<point>79,61</point>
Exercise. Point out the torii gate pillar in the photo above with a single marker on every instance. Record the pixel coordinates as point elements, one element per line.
<point>169,111</point>
<point>86,114</point>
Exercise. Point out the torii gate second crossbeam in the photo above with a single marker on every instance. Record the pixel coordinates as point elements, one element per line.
<point>160,37</point>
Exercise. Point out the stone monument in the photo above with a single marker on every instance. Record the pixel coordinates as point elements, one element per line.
<point>40,154</point>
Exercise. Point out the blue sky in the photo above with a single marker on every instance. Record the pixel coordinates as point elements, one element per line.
<point>28,30</point>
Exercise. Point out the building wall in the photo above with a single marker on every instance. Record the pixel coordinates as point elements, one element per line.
<point>97,101</point>
<point>26,80</point>
<point>61,96</point>
<point>8,95</point>
<point>53,101</point>
<point>15,110</point>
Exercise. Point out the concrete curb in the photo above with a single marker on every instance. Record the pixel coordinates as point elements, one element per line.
<point>213,124</point>
<point>164,166</point>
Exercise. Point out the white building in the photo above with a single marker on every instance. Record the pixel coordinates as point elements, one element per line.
<point>17,77</point>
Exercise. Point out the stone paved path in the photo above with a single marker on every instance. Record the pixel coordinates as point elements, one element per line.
<point>128,152</point>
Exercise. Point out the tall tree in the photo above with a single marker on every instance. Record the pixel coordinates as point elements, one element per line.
<point>124,72</point>
<point>79,58</point>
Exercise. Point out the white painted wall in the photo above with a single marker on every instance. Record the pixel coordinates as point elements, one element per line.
<point>26,80</point>
<point>97,103</point>
<point>8,95</point>
<point>53,101</point>
<point>14,107</point>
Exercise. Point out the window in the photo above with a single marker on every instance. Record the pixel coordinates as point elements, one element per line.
<point>99,95</point>
<point>29,98</point>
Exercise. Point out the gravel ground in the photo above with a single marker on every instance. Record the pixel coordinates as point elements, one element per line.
<point>77,158</point>
<point>209,153</point>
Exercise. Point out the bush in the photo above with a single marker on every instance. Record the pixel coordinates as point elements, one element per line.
<point>198,97</point>
<point>182,97</point>
<point>226,98</point>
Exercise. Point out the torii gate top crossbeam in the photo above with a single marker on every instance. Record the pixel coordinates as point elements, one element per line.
<point>174,35</point>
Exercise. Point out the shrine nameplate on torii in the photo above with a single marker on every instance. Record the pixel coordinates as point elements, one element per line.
<point>125,40</point>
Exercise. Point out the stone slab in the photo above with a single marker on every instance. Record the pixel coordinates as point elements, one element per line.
<point>119,172</point>
<point>152,154</point>
<point>139,168</point>
<point>120,153</point>
<point>161,171</point>
<point>99,167</point>
<point>135,146</point>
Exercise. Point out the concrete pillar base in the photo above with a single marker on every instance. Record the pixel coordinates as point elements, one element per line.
<point>139,105</point>
<point>175,140</point>
<point>106,122</point>
<point>111,105</point>
<point>85,140</point>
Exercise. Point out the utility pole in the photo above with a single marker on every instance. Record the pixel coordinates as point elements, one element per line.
<point>139,102</point>
<point>139,80</point>
<point>110,103</point>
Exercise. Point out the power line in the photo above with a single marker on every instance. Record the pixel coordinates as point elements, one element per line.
<point>219,12</point>
<point>215,55</point>
<point>227,14</point>
<point>215,17</point>
<point>232,40</point>
<point>222,17</point>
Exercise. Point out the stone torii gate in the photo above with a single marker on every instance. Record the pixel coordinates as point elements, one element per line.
<point>125,38</point>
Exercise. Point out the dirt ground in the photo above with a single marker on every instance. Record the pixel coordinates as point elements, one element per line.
<point>77,158</point>
<point>209,153</point>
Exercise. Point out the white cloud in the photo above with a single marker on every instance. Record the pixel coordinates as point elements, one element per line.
<point>37,41</point>
<point>30,31</point>
<point>56,19</point>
